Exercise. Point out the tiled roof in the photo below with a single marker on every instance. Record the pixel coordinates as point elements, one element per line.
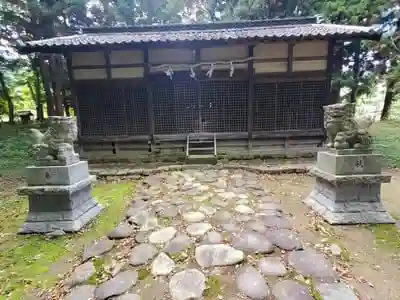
<point>150,34</point>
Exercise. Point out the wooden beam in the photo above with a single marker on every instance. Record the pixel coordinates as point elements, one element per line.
<point>250,65</point>
<point>150,109</point>
<point>142,65</point>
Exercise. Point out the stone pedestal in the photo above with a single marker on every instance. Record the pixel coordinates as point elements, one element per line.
<point>348,187</point>
<point>60,197</point>
<point>59,185</point>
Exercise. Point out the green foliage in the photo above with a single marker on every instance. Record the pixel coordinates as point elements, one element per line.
<point>16,150</point>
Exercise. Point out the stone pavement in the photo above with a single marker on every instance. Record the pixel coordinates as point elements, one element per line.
<point>205,234</point>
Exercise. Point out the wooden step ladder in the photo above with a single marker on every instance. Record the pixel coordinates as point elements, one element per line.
<point>201,147</point>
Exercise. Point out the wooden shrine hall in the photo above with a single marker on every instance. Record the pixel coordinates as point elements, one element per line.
<point>243,88</point>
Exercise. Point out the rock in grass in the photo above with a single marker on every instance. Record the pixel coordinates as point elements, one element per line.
<point>217,255</point>
<point>272,266</point>
<point>291,290</point>
<point>334,291</point>
<point>97,248</point>
<point>81,274</point>
<point>252,242</point>
<point>128,297</point>
<point>187,285</point>
<point>251,283</point>
<point>116,285</point>
<point>122,231</point>
<point>142,254</point>
<point>162,265</point>
<point>83,292</point>
<point>162,236</point>
<point>310,263</point>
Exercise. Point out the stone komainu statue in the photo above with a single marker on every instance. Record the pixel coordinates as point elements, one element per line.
<point>343,132</point>
<point>55,146</point>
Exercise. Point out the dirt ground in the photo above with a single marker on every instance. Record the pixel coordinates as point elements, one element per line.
<point>372,268</point>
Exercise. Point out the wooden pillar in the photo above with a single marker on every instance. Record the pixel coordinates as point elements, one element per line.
<point>197,59</point>
<point>74,98</point>
<point>329,73</point>
<point>150,109</point>
<point>336,64</point>
<point>356,70</point>
<point>108,63</point>
<point>250,69</point>
<point>290,57</point>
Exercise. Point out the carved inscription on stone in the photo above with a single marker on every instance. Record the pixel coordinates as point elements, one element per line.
<point>359,165</point>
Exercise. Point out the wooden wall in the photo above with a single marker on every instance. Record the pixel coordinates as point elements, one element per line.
<point>272,57</point>
<point>266,105</point>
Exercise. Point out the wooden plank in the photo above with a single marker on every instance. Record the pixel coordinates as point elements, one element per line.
<point>97,139</point>
<point>287,133</point>
<point>250,66</point>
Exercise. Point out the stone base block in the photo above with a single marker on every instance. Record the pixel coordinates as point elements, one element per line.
<point>348,163</point>
<point>349,218</point>
<point>57,175</point>
<point>60,207</point>
<point>39,222</point>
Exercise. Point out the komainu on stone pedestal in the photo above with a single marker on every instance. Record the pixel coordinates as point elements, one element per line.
<point>343,131</point>
<point>348,175</point>
<point>59,186</point>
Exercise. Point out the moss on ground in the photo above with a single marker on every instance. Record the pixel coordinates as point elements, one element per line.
<point>213,287</point>
<point>143,273</point>
<point>387,236</point>
<point>27,262</point>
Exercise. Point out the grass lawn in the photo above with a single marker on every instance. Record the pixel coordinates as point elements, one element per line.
<point>387,141</point>
<point>28,262</point>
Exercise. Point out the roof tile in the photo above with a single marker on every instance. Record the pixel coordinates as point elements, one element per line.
<point>262,32</point>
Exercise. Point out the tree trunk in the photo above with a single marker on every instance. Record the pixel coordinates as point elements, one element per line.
<point>387,102</point>
<point>7,96</point>
<point>47,89</point>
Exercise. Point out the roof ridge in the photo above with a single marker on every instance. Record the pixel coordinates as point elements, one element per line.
<point>204,26</point>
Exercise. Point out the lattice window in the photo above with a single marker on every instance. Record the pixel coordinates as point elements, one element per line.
<point>137,118</point>
<point>223,106</point>
<point>265,106</point>
<point>91,102</point>
<point>186,106</point>
<point>163,106</point>
<point>114,106</point>
<point>289,105</point>
<point>314,95</point>
<point>288,100</point>
<point>176,107</point>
